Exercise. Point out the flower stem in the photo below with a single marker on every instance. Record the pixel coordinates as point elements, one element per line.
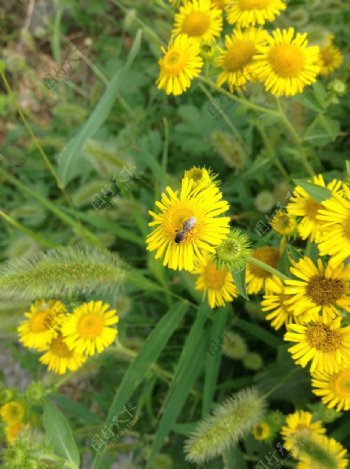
<point>298,140</point>
<point>267,267</point>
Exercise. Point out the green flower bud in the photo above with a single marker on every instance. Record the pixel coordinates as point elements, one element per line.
<point>253,361</point>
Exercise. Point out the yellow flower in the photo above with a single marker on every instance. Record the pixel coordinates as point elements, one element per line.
<point>237,59</point>
<point>179,65</point>
<point>333,388</point>
<point>59,357</point>
<point>301,204</point>
<point>200,176</point>
<point>200,206</point>
<point>261,431</point>
<point>335,224</point>
<point>250,12</point>
<point>319,289</point>
<point>256,276</point>
<point>12,431</point>
<point>275,300</point>
<point>286,64</point>
<point>330,59</point>
<point>217,283</point>
<point>301,423</point>
<point>12,412</point>
<point>221,4</point>
<point>198,19</point>
<point>333,454</point>
<point>89,329</point>
<point>39,327</point>
<point>323,342</point>
<point>284,223</point>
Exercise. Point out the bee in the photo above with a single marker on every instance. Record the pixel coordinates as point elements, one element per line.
<point>186,227</point>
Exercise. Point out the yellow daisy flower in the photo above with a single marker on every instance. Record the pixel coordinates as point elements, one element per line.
<point>188,225</point>
<point>301,423</point>
<point>89,329</point>
<point>333,388</point>
<point>261,431</point>
<point>198,19</point>
<point>319,289</point>
<point>330,59</point>
<point>301,204</point>
<point>275,300</point>
<point>336,454</point>
<point>251,12</point>
<point>39,327</point>
<point>59,357</point>
<point>200,176</point>
<point>12,431</point>
<point>283,223</point>
<point>236,59</point>
<point>286,64</point>
<point>221,4</point>
<point>256,277</point>
<point>335,223</point>
<point>323,342</point>
<point>179,65</point>
<point>217,283</point>
<point>12,412</point>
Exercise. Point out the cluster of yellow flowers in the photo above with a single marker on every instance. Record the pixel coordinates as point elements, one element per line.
<point>190,228</point>
<point>313,301</point>
<point>282,60</point>
<point>307,442</point>
<point>13,415</point>
<point>67,338</point>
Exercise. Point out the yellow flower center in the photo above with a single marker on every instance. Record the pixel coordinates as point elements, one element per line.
<point>287,60</point>
<point>346,228</point>
<point>267,254</point>
<point>322,338</point>
<point>311,208</point>
<point>213,277</point>
<point>237,58</point>
<point>196,23</point>
<point>90,326</point>
<point>39,322</point>
<point>14,413</point>
<point>173,62</point>
<point>254,4</point>
<point>324,291</point>
<point>341,384</point>
<point>327,55</point>
<point>60,348</point>
<point>176,217</point>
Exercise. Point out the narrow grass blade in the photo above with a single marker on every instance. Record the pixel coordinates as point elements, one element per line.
<point>187,370</point>
<point>142,364</point>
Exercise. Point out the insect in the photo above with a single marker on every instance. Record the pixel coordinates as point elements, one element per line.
<point>186,227</point>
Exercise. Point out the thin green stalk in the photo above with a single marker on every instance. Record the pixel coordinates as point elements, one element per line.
<point>36,236</point>
<point>241,101</point>
<point>223,115</point>
<point>271,152</point>
<point>298,140</point>
<point>268,268</point>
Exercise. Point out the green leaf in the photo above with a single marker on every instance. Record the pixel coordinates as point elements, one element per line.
<point>239,278</point>
<point>187,370</point>
<point>60,434</point>
<point>69,159</point>
<point>318,193</point>
<point>258,332</point>
<point>213,358</point>
<point>233,458</point>
<point>78,410</point>
<point>142,364</point>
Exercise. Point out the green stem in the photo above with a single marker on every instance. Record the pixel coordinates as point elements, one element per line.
<point>271,152</point>
<point>267,267</point>
<point>236,99</point>
<point>298,140</point>
<point>36,236</point>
